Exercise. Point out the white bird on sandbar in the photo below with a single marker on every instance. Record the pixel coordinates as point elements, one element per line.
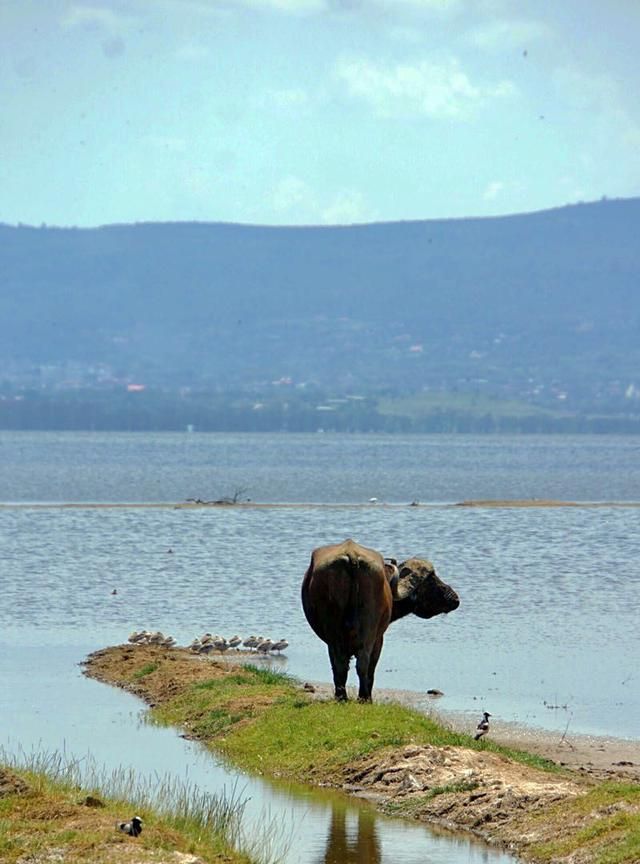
<point>265,646</point>
<point>280,645</point>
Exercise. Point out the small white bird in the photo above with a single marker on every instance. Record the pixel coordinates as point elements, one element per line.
<point>483,726</point>
<point>220,644</point>
<point>133,827</point>
<point>265,646</point>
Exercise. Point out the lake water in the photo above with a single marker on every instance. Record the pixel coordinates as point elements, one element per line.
<point>546,633</point>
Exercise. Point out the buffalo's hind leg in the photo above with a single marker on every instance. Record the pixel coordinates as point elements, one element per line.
<point>363,662</point>
<point>366,666</point>
<point>340,669</point>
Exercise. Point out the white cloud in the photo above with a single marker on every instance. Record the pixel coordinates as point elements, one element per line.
<point>493,190</point>
<point>295,200</point>
<point>347,208</point>
<point>291,193</point>
<point>439,90</point>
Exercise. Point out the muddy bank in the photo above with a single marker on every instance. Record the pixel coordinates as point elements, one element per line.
<point>502,800</point>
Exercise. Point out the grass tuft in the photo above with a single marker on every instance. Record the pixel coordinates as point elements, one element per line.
<point>145,670</point>
<point>183,817</point>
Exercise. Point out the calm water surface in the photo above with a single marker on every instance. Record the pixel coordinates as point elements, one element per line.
<point>50,466</point>
<point>549,597</point>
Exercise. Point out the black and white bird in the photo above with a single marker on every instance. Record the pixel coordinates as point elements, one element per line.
<point>133,827</point>
<point>483,726</point>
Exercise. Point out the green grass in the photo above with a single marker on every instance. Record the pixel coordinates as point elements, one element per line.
<point>477,405</point>
<point>144,671</point>
<point>611,830</point>
<point>264,722</point>
<point>176,814</point>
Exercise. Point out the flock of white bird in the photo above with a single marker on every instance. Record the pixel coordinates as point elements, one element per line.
<point>151,637</point>
<point>209,642</point>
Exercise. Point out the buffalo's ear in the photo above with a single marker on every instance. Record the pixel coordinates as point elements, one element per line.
<point>391,572</point>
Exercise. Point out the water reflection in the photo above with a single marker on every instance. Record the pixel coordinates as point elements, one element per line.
<point>349,844</point>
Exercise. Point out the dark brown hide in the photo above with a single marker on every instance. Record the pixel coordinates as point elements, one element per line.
<point>347,599</point>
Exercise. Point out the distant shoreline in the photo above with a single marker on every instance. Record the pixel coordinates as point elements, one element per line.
<point>488,503</point>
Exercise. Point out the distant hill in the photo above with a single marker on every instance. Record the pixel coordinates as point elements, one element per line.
<point>543,308</point>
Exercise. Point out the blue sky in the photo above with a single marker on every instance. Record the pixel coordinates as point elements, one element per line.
<point>314,111</point>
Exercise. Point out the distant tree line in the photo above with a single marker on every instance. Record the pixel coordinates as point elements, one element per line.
<point>157,411</point>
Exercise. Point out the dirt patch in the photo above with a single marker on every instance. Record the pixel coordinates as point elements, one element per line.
<point>171,671</point>
<point>10,784</point>
<point>456,787</point>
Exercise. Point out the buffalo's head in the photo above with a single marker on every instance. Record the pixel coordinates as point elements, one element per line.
<point>420,591</point>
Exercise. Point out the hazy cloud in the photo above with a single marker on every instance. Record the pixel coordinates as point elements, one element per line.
<point>97,19</point>
<point>305,7</point>
<point>509,34</point>
<point>192,52</point>
<point>347,208</point>
<point>290,193</point>
<point>439,90</point>
<point>493,190</point>
<point>289,98</point>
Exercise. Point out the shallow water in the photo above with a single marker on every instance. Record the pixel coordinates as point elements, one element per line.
<point>546,633</point>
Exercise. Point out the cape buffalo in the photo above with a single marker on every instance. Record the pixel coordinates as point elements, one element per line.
<point>350,596</point>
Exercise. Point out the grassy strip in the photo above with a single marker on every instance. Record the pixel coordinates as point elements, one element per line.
<point>53,808</point>
<point>265,723</point>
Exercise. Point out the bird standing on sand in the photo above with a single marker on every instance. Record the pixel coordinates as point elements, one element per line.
<point>264,647</point>
<point>483,726</point>
<point>133,828</point>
